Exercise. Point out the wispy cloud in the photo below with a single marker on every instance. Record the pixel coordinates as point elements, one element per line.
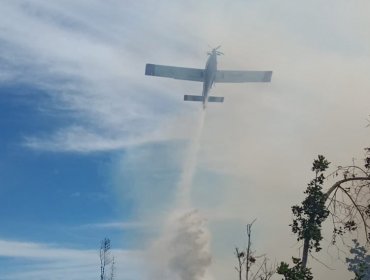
<point>40,251</point>
<point>47,261</point>
<point>118,225</point>
<point>78,139</point>
<point>93,70</point>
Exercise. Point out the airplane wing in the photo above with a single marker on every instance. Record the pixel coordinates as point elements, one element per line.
<point>180,73</point>
<point>227,76</point>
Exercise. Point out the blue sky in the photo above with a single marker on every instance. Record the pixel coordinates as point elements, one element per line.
<point>90,147</point>
<point>52,198</point>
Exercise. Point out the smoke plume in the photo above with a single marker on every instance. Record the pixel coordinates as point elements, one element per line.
<point>182,252</point>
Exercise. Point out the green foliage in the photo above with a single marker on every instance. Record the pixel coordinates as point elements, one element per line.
<point>360,263</point>
<point>309,216</point>
<point>297,272</point>
<point>367,159</point>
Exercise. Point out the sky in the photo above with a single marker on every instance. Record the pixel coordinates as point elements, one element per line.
<point>90,147</point>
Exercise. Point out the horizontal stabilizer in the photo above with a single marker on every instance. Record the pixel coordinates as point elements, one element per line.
<point>193,98</point>
<point>215,99</point>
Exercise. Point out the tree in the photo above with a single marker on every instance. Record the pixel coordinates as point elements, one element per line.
<point>241,259</point>
<point>348,198</point>
<point>297,272</point>
<point>346,201</point>
<point>246,259</point>
<point>106,259</point>
<point>249,259</point>
<point>309,216</point>
<point>360,263</point>
<point>113,269</point>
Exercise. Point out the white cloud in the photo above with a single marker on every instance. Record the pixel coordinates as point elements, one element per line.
<point>91,75</point>
<point>119,225</point>
<point>78,139</point>
<point>47,261</point>
<point>39,251</point>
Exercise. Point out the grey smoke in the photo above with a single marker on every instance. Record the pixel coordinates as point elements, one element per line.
<point>183,250</point>
<point>190,247</point>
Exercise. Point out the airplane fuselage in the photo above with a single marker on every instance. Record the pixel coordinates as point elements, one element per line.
<point>209,76</point>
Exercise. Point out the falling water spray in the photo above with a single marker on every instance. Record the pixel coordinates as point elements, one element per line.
<point>183,200</point>
<point>182,252</point>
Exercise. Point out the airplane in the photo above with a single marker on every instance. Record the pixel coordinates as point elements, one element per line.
<point>208,76</point>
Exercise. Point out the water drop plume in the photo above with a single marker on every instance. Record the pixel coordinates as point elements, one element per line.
<point>182,252</point>
<point>190,164</point>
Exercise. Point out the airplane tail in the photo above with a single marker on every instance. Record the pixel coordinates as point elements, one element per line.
<point>200,98</point>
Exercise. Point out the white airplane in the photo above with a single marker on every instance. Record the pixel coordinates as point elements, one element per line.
<point>208,76</point>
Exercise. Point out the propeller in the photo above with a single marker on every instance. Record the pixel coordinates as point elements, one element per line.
<point>215,50</point>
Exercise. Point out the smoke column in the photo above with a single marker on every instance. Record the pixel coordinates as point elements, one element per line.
<point>182,252</point>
